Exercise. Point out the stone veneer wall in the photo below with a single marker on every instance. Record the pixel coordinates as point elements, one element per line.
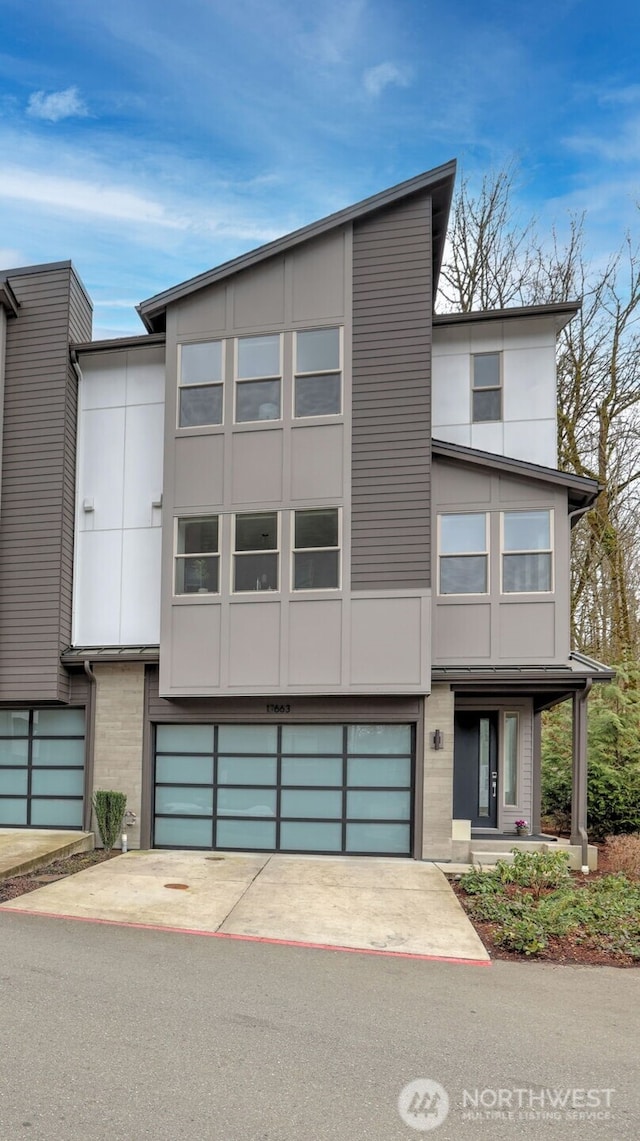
<point>119,721</point>
<point>438,776</point>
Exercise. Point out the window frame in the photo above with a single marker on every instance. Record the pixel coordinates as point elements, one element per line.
<point>201,384</point>
<point>202,593</point>
<point>463,554</point>
<point>298,550</point>
<point>277,551</point>
<point>238,380</point>
<point>506,713</point>
<point>529,551</point>
<point>499,387</point>
<point>296,372</point>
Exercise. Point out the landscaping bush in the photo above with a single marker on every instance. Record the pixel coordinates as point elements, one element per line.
<point>109,807</point>
<point>623,855</point>
<point>613,797</point>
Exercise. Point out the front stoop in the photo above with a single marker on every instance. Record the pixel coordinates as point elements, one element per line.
<point>487,852</point>
<point>24,850</point>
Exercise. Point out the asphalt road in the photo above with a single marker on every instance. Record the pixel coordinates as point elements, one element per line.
<point>117,1034</point>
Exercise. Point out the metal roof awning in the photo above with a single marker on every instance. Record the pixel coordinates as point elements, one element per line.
<point>549,684</point>
<point>76,655</point>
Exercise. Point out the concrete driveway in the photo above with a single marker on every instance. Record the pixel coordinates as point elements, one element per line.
<point>376,905</point>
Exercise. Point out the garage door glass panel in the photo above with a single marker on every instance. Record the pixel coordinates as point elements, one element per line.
<point>246,802</point>
<point>379,739</point>
<point>14,752</point>
<point>304,803</point>
<point>315,739</point>
<point>58,722</point>
<point>181,833</point>
<point>310,837</point>
<point>58,752</point>
<point>248,739</point>
<point>184,770</point>
<point>13,782</point>
<point>393,771</point>
<point>56,813</point>
<point>66,782</point>
<point>246,834</point>
<point>247,770</point>
<point>184,738</point>
<point>13,813</point>
<point>394,838</point>
<point>184,801</point>
<point>312,770</point>
<point>379,805</point>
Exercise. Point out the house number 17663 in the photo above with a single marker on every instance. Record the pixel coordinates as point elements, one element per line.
<point>278,709</point>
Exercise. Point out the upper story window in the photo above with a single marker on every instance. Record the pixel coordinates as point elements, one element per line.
<point>527,552</point>
<point>463,554</point>
<point>197,569</point>
<point>486,391</point>
<point>200,384</point>
<point>258,378</point>
<point>316,549</point>
<point>318,376</point>
<point>256,556</point>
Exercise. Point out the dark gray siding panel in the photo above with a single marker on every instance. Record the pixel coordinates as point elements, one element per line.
<point>38,484</point>
<point>391,432</point>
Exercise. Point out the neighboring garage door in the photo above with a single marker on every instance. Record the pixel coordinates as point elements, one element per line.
<point>41,768</point>
<point>290,788</point>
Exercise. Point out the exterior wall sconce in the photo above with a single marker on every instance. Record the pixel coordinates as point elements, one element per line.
<point>437,739</point>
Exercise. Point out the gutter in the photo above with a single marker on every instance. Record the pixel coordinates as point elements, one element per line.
<point>90,738</point>
<point>582,723</point>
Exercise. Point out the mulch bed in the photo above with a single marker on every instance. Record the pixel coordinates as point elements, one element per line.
<point>48,873</point>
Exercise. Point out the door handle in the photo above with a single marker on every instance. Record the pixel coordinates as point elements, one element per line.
<point>494,784</point>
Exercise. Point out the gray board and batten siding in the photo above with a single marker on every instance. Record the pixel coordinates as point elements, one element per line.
<point>391,402</point>
<point>37,506</point>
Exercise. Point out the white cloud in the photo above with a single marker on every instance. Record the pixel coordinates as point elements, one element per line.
<point>56,106</point>
<point>376,78</point>
<point>9,258</point>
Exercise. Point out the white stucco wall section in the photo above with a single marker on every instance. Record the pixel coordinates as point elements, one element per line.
<point>116,598</point>
<point>528,428</point>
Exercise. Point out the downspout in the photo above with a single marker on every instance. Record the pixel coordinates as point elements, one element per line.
<point>88,778</point>
<point>580,741</point>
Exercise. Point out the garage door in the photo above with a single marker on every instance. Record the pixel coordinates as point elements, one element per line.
<point>41,768</point>
<point>290,788</point>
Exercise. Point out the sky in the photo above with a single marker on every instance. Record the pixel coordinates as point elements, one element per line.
<point>149,142</point>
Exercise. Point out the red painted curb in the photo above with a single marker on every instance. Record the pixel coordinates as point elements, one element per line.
<point>252,938</point>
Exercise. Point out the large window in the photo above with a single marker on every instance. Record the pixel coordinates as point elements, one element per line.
<point>526,552</point>
<point>256,552</point>
<point>463,554</point>
<point>197,556</point>
<point>316,549</point>
<point>200,384</point>
<point>486,393</point>
<point>258,378</point>
<point>318,379</point>
<point>41,768</point>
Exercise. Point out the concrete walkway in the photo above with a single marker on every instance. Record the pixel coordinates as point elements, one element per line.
<point>25,849</point>
<point>382,905</point>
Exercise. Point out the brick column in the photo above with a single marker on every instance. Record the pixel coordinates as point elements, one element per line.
<point>117,748</point>
<point>438,775</point>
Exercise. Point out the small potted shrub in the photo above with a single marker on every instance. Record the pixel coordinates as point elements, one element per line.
<point>522,828</point>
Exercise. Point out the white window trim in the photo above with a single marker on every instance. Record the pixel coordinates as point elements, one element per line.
<point>296,550</point>
<point>529,551</point>
<point>191,594</point>
<point>237,380</point>
<point>487,388</point>
<point>296,372</point>
<point>277,550</point>
<point>203,384</point>
<point>511,713</point>
<point>462,554</point>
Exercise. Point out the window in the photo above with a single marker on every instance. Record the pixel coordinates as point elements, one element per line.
<point>318,379</point>
<point>258,378</point>
<point>486,394</point>
<point>256,558</point>
<point>511,759</point>
<point>197,556</point>
<point>316,551</point>
<point>527,550</point>
<point>463,554</point>
<point>200,392</point>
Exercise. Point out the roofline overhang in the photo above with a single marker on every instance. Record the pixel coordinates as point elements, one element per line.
<point>440,181</point>
<point>8,299</point>
<point>582,490</point>
<point>562,311</point>
<point>47,267</point>
<point>77,655</point>
<point>119,344</point>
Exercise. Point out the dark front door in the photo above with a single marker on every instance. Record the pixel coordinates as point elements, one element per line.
<point>475,769</point>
